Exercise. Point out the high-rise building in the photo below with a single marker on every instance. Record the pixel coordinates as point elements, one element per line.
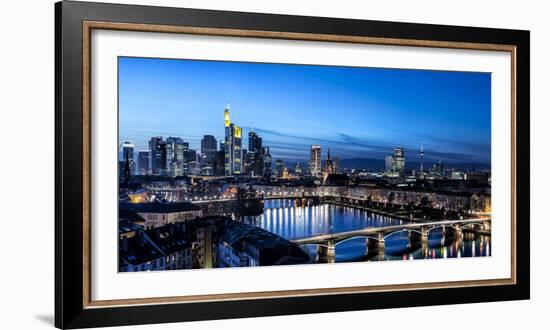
<point>179,157</point>
<point>220,160</point>
<point>143,162</point>
<point>399,160</point>
<point>157,157</point>
<point>253,159</point>
<point>389,163</point>
<point>267,160</point>
<point>254,142</point>
<point>233,146</point>
<point>209,148</point>
<point>219,168</point>
<point>191,161</point>
<point>175,161</point>
<point>185,149</point>
<point>243,157</point>
<point>128,153</point>
<point>315,160</point>
<point>254,164</point>
<point>279,167</point>
<point>169,171</point>
<point>438,168</point>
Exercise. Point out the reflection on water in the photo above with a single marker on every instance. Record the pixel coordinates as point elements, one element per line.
<point>283,218</point>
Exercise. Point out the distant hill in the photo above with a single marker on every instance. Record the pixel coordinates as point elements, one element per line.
<point>372,164</point>
<point>369,164</point>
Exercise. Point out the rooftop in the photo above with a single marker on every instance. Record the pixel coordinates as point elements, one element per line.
<point>159,207</point>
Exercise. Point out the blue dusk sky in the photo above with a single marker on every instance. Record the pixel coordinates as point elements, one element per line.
<point>356,112</point>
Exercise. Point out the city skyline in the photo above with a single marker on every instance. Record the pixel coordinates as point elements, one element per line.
<point>226,164</point>
<point>167,98</point>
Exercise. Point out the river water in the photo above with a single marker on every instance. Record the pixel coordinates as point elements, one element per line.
<point>283,218</point>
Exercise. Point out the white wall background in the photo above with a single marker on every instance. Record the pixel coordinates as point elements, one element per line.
<point>27,162</point>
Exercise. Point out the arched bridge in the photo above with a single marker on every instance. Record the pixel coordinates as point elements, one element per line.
<point>376,236</point>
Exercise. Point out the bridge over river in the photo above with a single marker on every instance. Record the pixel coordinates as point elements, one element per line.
<point>376,236</point>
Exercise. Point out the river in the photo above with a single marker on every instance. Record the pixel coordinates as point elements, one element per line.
<point>283,218</point>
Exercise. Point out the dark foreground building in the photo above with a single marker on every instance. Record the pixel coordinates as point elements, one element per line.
<point>245,246</point>
<point>208,242</point>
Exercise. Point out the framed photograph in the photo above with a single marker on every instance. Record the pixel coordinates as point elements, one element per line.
<point>215,164</point>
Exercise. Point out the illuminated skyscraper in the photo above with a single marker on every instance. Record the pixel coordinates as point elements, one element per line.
<point>233,146</point>
<point>175,148</point>
<point>315,160</point>
<point>399,160</point>
<point>389,163</point>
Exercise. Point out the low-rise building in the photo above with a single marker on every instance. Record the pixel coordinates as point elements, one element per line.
<point>243,245</point>
<point>160,214</point>
<point>163,248</point>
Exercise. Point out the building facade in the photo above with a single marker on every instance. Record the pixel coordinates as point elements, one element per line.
<point>315,161</point>
<point>143,162</point>
<point>157,155</point>
<point>128,154</point>
<point>399,160</point>
<point>161,214</point>
<point>233,146</point>
<point>209,148</point>
<point>267,162</point>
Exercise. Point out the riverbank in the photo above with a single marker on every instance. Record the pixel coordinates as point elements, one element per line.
<point>402,215</point>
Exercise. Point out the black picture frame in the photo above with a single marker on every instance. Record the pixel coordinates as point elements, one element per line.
<point>70,310</point>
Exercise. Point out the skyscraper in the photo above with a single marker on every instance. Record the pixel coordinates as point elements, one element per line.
<point>179,164</point>
<point>128,153</point>
<point>209,148</point>
<point>157,158</point>
<point>185,150</point>
<point>279,167</point>
<point>233,146</point>
<point>143,162</point>
<point>315,161</point>
<point>389,163</point>
<point>253,161</point>
<point>175,148</point>
<point>254,142</point>
<point>168,170</point>
<point>220,160</point>
<point>267,160</point>
<point>438,168</point>
<point>190,156</point>
<point>399,160</point>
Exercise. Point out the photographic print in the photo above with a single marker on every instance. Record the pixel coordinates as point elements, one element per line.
<point>243,164</point>
<point>236,164</point>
